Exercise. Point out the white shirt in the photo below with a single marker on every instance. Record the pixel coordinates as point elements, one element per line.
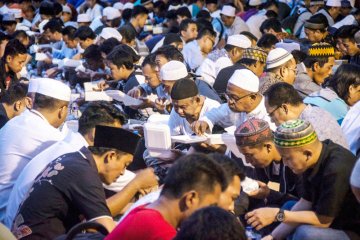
<point>193,55</point>
<point>224,117</point>
<point>180,126</point>
<point>237,27</point>
<point>96,23</point>
<point>254,23</point>
<point>94,12</point>
<point>351,127</point>
<point>348,20</point>
<point>209,69</point>
<point>21,139</point>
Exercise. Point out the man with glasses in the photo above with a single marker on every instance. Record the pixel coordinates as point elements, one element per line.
<point>243,102</point>
<point>280,67</point>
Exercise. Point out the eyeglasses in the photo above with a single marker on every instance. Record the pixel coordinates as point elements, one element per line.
<point>273,111</point>
<point>228,98</point>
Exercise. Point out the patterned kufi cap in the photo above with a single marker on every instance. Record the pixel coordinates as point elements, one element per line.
<point>252,132</point>
<point>321,50</point>
<point>294,133</point>
<point>255,53</point>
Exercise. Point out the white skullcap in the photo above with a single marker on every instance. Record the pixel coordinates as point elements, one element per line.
<point>277,57</point>
<point>173,70</point>
<point>288,46</point>
<point>119,6</point>
<point>333,3</point>
<point>54,88</point>
<point>42,24</point>
<point>239,40</point>
<point>128,5</point>
<point>255,2</point>
<point>109,32</point>
<point>16,12</point>
<point>83,18</point>
<point>67,9</point>
<point>111,13</point>
<point>34,84</point>
<point>246,80</point>
<point>228,10</point>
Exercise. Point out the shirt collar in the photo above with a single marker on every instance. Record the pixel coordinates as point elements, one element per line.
<point>85,152</point>
<point>33,111</point>
<point>260,108</point>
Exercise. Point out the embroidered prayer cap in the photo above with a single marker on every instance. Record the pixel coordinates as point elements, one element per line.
<point>83,18</point>
<point>277,57</point>
<point>239,40</point>
<point>246,80</point>
<point>184,88</point>
<point>173,70</point>
<point>252,132</point>
<point>228,10</point>
<point>255,53</point>
<point>333,3</point>
<point>116,138</point>
<point>53,88</point>
<point>294,133</point>
<point>110,32</point>
<point>321,50</point>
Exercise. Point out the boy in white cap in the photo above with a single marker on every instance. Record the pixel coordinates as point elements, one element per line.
<point>233,24</point>
<point>30,133</point>
<point>244,102</point>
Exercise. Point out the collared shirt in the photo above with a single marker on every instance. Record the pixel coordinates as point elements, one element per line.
<point>237,27</point>
<point>224,117</point>
<point>193,55</point>
<point>3,116</point>
<point>327,187</point>
<point>21,139</point>
<point>95,12</point>
<point>304,84</point>
<point>180,126</point>
<point>268,80</point>
<point>330,130</point>
<point>351,128</point>
<point>69,187</point>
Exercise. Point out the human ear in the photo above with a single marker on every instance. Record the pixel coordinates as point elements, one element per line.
<point>189,199</point>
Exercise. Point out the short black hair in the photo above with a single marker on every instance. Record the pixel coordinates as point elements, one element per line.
<point>130,51</point>
<point>47,8</point>
<point>15,93</point>
<point>170,53</point>
<point>247,61</point>
<point>57,8</point>
<point>92,52</point>
<point>69,31</point>
<point>206,31</point>
<point>345,76</point>
<point>42,101</point>
<point>128,33</point>
<point>271,14</point>
<point>121,58</point>
<point>267,41</point>
<point>108,45</point>
<point>183,12</point>
<point>193,171</point>
<point>282,93</point>
<point>229,165</point>
<point>172,38</point>
<point>171,14</point>
<point>126,14</point>
<point>270,3</point>
<point>53,25</point>
<point>85,32</point>
<point>139,10</point>
<point>19,34</point>
<point>271,23</point>
<point>203,14</point>
<point>249,35</point>
<point>211,223</point>
<point>149,60</point>
<point>98,113</point>
<point>309,61</point>
<point>13,48</point>
<point>185,24</point>
<point>4,36</point>
<point>347,31</point>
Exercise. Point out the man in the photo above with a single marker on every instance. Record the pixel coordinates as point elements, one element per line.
<point>188,30</point>
<point>83,20</point>
<point>69,49</point>
<point>346,35</point>
<point>71,186</point>
<point>182,13</point>
<point>305,13</point>
<point>85,36</point>
<point>188,106</point>
<point>284,103</point>
<point>316,29</point>
<point>195,52</point>
<point>12,103</point>
<point>254,140</point>
<point>235,47</point>
<point>280,67</point>
<point>53,33</point>
<point>232,23</point>
<point>243,102</point>
<point>193,182</point>
<point>253,59</point>
<point>327,209</point>
<point>25,136</point>
<point>331,11</point>
<point>94,114</point>
<point>11,63</point>
<point>138,19</point>
<point>318,66</point>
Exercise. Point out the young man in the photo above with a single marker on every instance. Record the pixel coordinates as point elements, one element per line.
<point>196,51</point>
<point>85,36</point>
<point>11,63</point>
<point>318,66</point>
<point>69,50</point>
<point>71,186</point>
<point>12,103</point>
<point>331,11</point>
<point>280,67</point>
<point>232,23</point>
<point>53,33</point>
<point>316,29</point>
<point>327,209</point>
<point>188,30</point>
<point>138,18</point>
<point>346,35</point>
<point>193,182</point>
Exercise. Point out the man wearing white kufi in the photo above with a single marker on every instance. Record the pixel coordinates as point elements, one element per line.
<point>27,135</point>
<point>243,102</point>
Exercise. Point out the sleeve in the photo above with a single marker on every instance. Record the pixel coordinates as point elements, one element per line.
<point>87,193</point>
<point>220,116</point>
<point>174,124</point>
<point>146,89</point>
<point>130,84</point>
<point>58,54</point>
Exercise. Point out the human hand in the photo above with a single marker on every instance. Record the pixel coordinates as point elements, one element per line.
<point>135,92</point>
<point>268,237</point>
<point>199,127</point>
<point>102,85</point>
<point>261,193</point>
<point>145,179</point>
<point>160,104</point>
<point>261,217</point>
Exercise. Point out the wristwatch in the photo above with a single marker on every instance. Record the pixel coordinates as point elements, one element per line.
<point>280,216</point>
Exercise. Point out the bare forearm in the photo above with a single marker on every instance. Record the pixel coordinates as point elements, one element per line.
<point>304,217</point>
<point>120,200</point>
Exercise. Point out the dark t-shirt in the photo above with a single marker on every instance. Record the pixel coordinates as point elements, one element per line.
<point>223,77</point>
<point>327,186</point>
<point>3,116</point>
<point>65,193</point>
